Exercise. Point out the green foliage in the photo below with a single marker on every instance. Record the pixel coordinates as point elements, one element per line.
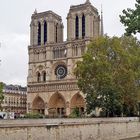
<point>1,95</point>
<point>131,19</point>
<point>109,74</point>
<point>75,113</point>
<point>33,116</point>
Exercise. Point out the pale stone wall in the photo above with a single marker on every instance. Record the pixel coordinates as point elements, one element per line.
<point>70,129</point>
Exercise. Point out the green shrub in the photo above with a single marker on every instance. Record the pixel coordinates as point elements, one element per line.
<point>34,115</point>
<point>75,113</point>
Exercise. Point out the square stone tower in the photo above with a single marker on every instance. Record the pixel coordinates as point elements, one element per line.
<point>52,86</point>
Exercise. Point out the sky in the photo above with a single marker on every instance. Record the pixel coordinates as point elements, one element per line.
<point>15,17</point>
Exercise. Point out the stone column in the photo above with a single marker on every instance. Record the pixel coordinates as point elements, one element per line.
<point>69,68</point>
<point>67,108</point>
<point>73,28</point>
<point>28,107</point>
<point>87,18</point>
<point>68,28</point>
<point>35,35</point>
<point>50,31</point>
<point>79,50</point>
<point>48,71</point>
<point>60,33</point>
<point>62,27</point>
<point>96,27</point>
<point>91,26</point>
<point>48,53</point>
<point>69,50</point>
<point>31,34</point>
<point>46,109</point>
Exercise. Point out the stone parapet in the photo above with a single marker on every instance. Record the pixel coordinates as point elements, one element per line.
<point>70,129</point>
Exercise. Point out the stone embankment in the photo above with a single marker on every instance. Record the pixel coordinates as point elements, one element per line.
<point>71,129</point>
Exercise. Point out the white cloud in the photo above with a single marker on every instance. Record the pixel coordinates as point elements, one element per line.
<point>13,53</point>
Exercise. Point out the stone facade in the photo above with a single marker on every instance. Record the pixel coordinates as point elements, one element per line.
<point>15,99</point>
<point>52,88</point>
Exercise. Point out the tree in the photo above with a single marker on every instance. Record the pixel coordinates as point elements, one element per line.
<point>109,75</point>
<point>1,95</point>
<point>131,19</point>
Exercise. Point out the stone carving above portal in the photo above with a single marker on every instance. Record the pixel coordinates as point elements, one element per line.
<point>65,86</point>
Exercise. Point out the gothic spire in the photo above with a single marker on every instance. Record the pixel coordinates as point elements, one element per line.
<point>35,12</point>
<point>102,25</point>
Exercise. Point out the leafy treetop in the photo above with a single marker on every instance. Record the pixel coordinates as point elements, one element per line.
<point>109,75</point>
<point>131,19</point>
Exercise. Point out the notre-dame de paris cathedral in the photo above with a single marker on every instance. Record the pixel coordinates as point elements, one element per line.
<point>52,86</point>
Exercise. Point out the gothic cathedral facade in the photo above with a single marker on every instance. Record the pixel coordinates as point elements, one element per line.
<point>52,88</point>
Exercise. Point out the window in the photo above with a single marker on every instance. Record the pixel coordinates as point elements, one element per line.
<point>75,50</point>
<point>83,26</point>
<point>38,77</point>
<point>44,76</point>
<point>77,27</point>
<point>59,52</point>
<point>56,32</point>
<point>39,33</point>
<point>45,32</point>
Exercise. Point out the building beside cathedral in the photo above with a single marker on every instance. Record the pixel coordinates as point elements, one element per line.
<point>52,87</point>
<point>15,99</point>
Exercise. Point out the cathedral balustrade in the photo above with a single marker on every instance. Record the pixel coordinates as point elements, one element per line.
<point>55,86</point>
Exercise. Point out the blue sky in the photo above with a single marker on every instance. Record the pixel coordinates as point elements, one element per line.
<point>15,18</point>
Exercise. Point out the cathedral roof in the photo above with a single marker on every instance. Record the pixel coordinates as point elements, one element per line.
<point>83,6</point>
<point>44,14</point>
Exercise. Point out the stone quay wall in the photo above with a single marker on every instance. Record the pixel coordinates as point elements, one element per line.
<point>70,129</point>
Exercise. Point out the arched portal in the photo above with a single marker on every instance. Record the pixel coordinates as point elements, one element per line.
<point>38,105</point>
<point>77,101</point>
<point>57,106</point>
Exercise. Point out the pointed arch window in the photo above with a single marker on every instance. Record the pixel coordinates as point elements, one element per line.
<point>45,32</point>
<point>44,76</point>
<point>38,77</point>
<point>39,33</point>
<point>83,26</point>
<point>56,33</point>
<point>77,27</point>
